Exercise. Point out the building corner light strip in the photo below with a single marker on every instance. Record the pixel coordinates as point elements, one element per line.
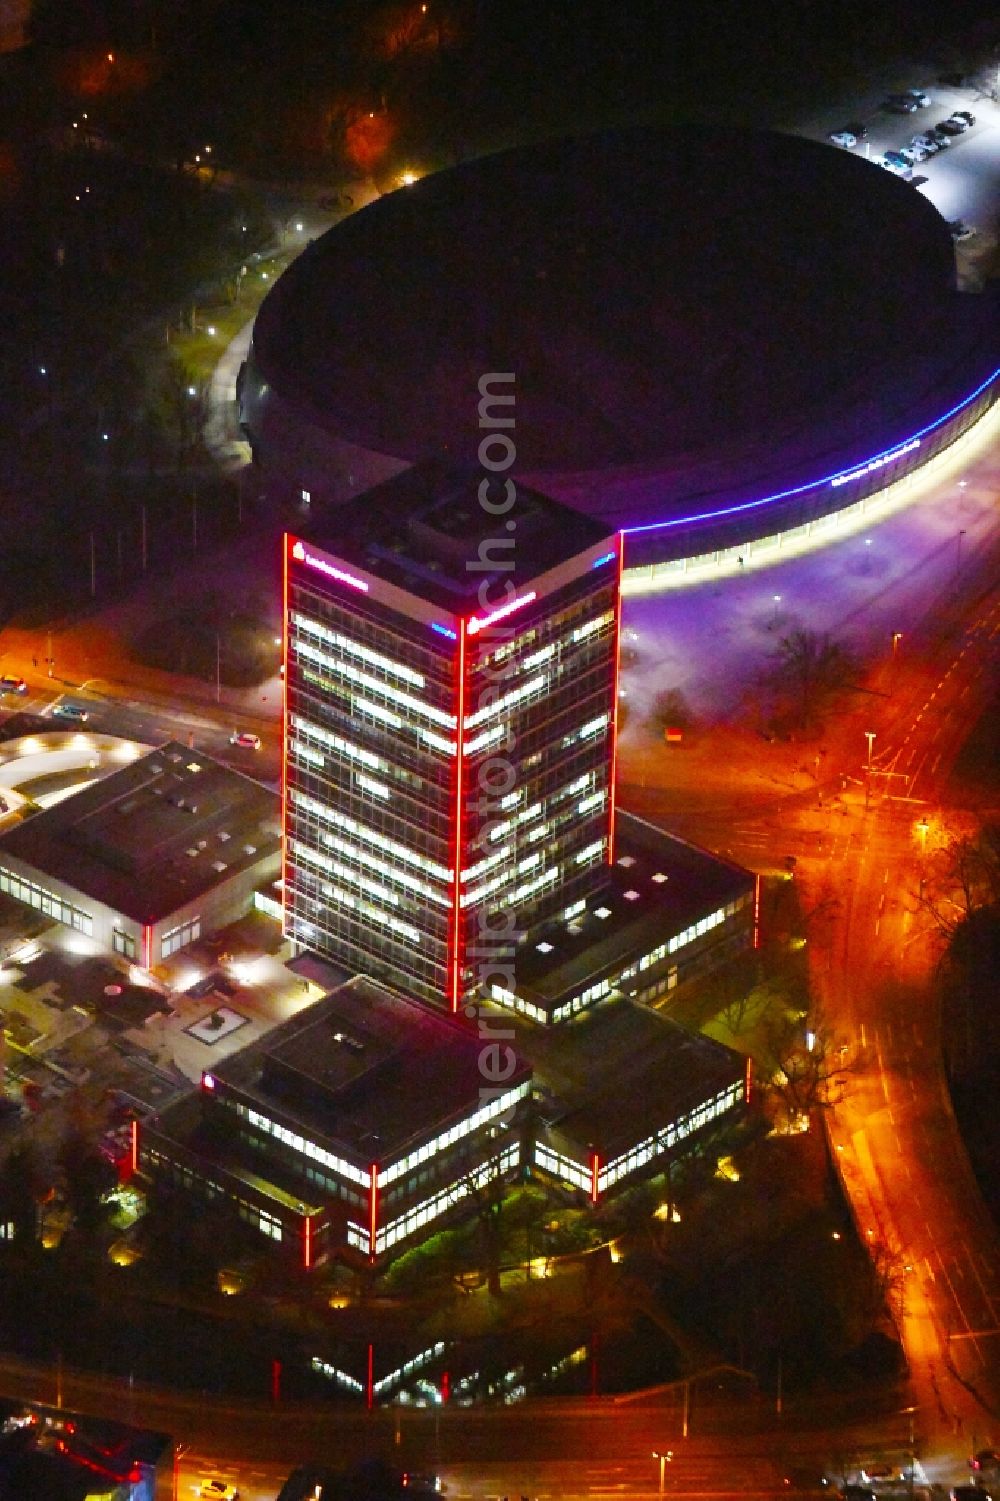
<point>613,769</point>
<point>595,1166</point>
<point>477,624</point>
<point>455,956</point>
<point>372,1210</point>
<point>284,740</point>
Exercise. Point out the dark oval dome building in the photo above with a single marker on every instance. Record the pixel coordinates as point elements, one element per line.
<point>714,335</point>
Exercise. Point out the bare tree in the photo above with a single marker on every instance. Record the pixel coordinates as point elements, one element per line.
<point>806,672</point>
<point>671,711</point>
<point>807,1067</point>
<point>961,879</point>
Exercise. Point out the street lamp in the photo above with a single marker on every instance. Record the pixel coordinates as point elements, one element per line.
<point>870,737</point>
<point>664,1456</point>
<point>777,602</point>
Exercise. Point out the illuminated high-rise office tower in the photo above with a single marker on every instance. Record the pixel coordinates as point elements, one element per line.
<point>450,681</point>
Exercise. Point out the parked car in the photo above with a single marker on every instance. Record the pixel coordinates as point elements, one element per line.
<point>877,1472</point>
<point>920,99</point>
<point>963,114</point>
<point>913,154</point>
<point>13,685</point>
<point>857,130</point>
<point>844,138</point>
<point>953,126</point>
<point>926,143</point>
<point>76,712</point>
<point>900,104</point>
<point>245,740</point>
<point>939,136</point>
<point>960,230</point>
<point>896,162</point>
<point>222,1490</point>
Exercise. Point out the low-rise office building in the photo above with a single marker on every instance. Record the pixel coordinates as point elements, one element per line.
<point>627,1091</point>
<point>665,913</point>
<point>349,1128</point>
<point>149,858</point>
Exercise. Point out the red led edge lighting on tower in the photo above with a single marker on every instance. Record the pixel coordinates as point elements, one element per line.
<point>455,945</point>
<point>746,1087</point>
<point>134,1134</point>
<point>147,946</point>
<point>372,1210</point>
<point>595,1164</point>
<point>370,1389</point>
<point>613,773</point>
<point>756,912</point>
<point>284,728</point>
<point>476,624</point>
<point>307,1249</point>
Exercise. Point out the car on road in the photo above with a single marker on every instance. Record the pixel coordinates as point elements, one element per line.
<point>953,126</point>
<point>959,230</point>
<point>969,1492</point>
<point>900,104</point>
<point>940,137</point>
<point>896,162</point>
<point>221,1490</point>
<point>245,740</point>
<point>919,97</point>
<point>914,154</point>
<point>963,114</point>
<point>76,712</point>
<point>985,1459</point>
<point>857,1493</point>
<point>13,685</point>
<point>878,1472</point>
<point>927,143</point>
<point>844,138</point>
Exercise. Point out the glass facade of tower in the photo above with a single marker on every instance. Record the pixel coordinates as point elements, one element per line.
<point>439,771</point>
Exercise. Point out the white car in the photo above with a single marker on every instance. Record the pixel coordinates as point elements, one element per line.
<point>245,740</point>
<point>927,144</point>
<point>920,99</point>
<point>844,138</point>
<point>222,1490</point>
<point>914,154</point>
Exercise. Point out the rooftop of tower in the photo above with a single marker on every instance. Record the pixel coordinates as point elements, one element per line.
<point>428,531</point>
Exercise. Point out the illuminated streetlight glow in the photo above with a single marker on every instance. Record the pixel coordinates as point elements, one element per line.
<point>664,1456</point>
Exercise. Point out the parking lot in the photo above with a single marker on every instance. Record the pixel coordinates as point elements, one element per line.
<point>963,180</point>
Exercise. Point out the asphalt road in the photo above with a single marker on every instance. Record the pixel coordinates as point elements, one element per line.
<point>859,847</point>
<point>203,727</point>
